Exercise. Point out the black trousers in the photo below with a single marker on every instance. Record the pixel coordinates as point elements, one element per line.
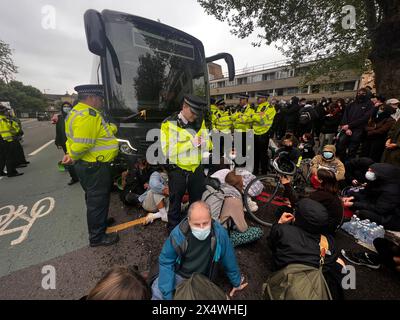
<point>347,146</point>
<point>19,153</point>
<point>373,147</point>
<point>261,153</point>
<point>7,158</point>
<point>96,181</point>
<point>179,181</point>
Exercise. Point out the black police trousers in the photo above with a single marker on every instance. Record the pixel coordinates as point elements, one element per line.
<point>96,181</point>
<point>179,181</point>
<point>7,157</point>
<point>261,153</point>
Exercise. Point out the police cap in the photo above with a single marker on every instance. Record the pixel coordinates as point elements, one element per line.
<point>196,104</point>
<point>243,96</point>
<point>262,95</point>
<point>90,90</point>
<point>220,102</point>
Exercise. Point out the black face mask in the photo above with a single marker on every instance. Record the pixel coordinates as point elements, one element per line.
<point>362,98</point>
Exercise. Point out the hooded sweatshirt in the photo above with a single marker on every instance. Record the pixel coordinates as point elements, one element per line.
<point>319,162</point>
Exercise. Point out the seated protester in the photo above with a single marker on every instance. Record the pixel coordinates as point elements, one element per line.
<point>289,147</point>
<point>326,194</point>
<point>306,146</point>
<point>296,237</point>
<point>380,199</point>
<point>356,169</point>
<point>155,200</point>
<point>388,255</point>
<point>135,181</point>
<point>195,245</point>
<point>377,130</point>
<point>120,283</point>
<point>327,160</point>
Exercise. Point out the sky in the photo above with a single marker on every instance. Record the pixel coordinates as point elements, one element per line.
<point>56,60</point>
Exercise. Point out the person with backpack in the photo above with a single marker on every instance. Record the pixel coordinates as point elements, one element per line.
<point>196,245</point>
<point>307,116</point>
<point>303,252</point>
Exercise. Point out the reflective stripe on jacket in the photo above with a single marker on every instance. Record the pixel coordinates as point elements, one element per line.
<point>176,144</point>
<point>242,120</point>
<point>261,124</point>
<point>8,128</point>
<point>89,137</point>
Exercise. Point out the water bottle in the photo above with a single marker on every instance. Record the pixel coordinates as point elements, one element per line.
<point>381,232</point>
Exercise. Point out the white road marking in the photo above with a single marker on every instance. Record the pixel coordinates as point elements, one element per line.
<point>37,211</point>
<point>41,148</point>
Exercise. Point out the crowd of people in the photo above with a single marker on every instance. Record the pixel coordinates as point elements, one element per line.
<point>202,213</point>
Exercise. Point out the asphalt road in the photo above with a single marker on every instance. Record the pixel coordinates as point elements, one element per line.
<point>58,237</point>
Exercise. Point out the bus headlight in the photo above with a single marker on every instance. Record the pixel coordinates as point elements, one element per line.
<point>126,148</point>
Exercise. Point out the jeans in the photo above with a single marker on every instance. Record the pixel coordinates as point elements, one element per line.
<point>155,290</point>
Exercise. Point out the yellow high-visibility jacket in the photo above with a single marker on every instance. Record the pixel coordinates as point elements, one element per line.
<point>176,143</point>
<point>8,128</point>
<point>224,122</point>
<point>261,124</point>
<point>214,113</point>
<point>242,120</point>
<point>89,137</point>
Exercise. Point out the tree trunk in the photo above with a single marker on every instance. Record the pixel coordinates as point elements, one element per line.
<point>385,53</point>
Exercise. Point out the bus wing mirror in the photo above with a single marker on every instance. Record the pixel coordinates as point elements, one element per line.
<point>229,61</point>
<point>95,32</point>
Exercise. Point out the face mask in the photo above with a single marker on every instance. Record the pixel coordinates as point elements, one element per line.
<point>201,234</point>
<point>370,176</point>
<point>362,98</point>
<point>327,155</point>
<point>66,110</point>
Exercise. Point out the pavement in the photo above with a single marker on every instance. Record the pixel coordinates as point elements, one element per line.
<point>43,223</point>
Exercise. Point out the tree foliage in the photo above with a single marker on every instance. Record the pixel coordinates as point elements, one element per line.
<point>7,67</point>
<point>313,29</point>
<point>21,97</point>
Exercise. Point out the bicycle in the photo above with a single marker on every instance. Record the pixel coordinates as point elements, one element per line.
<point>274,192</point>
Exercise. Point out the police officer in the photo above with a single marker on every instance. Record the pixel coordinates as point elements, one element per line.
<point>242,121</point>
<point>91,146</point>
<point>262,122</point>
<point>223,124</point>
<point>184,137</point>
<point>9,130</point>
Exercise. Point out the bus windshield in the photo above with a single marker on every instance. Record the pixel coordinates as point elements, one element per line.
<point>150,67</point>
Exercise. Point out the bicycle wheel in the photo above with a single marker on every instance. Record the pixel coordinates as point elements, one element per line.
<point>271,195</point>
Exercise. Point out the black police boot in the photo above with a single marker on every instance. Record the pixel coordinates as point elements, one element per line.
<point>108,240</point>
<point>15,174</point>
<point>72,181</point>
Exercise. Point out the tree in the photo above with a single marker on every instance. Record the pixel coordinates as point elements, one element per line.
<point>7,67</point>
<point>323,30</point>
<point>21,97</point>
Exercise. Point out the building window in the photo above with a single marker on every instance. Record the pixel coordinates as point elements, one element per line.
<point>315,88</point>
<point>229,96</point>
<point>303,90</point>
<point>289,91</point>
<point>279,92</point>
<point>349,85</point>
<point>221,84</point>
<point>256,78</point>
<point>241,81</point>
<point>268,76</point>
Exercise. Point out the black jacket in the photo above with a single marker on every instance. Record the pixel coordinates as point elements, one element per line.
<point>357,114</point>
<point>381,196</point>
<point>330,124</point>
<point>61,137</point>
<point>292,113</point>
<point>356,169</point>
<point>299,242</point>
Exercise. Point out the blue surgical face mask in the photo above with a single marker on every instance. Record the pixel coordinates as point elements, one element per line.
<point>370,176</point>
<point>201,234</point>
<point>67,109</point>
<point>327,155</point>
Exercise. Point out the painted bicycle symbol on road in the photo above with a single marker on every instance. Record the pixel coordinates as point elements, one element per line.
<point>40,209</point>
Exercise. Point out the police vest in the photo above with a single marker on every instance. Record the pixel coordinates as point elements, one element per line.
<point>242,120</point>
<point>224,122</point>
<point>89,137</point>
<point>214,114</point>
<point>261,124</point>
<point>8,128</point>
<point>176,144</point>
